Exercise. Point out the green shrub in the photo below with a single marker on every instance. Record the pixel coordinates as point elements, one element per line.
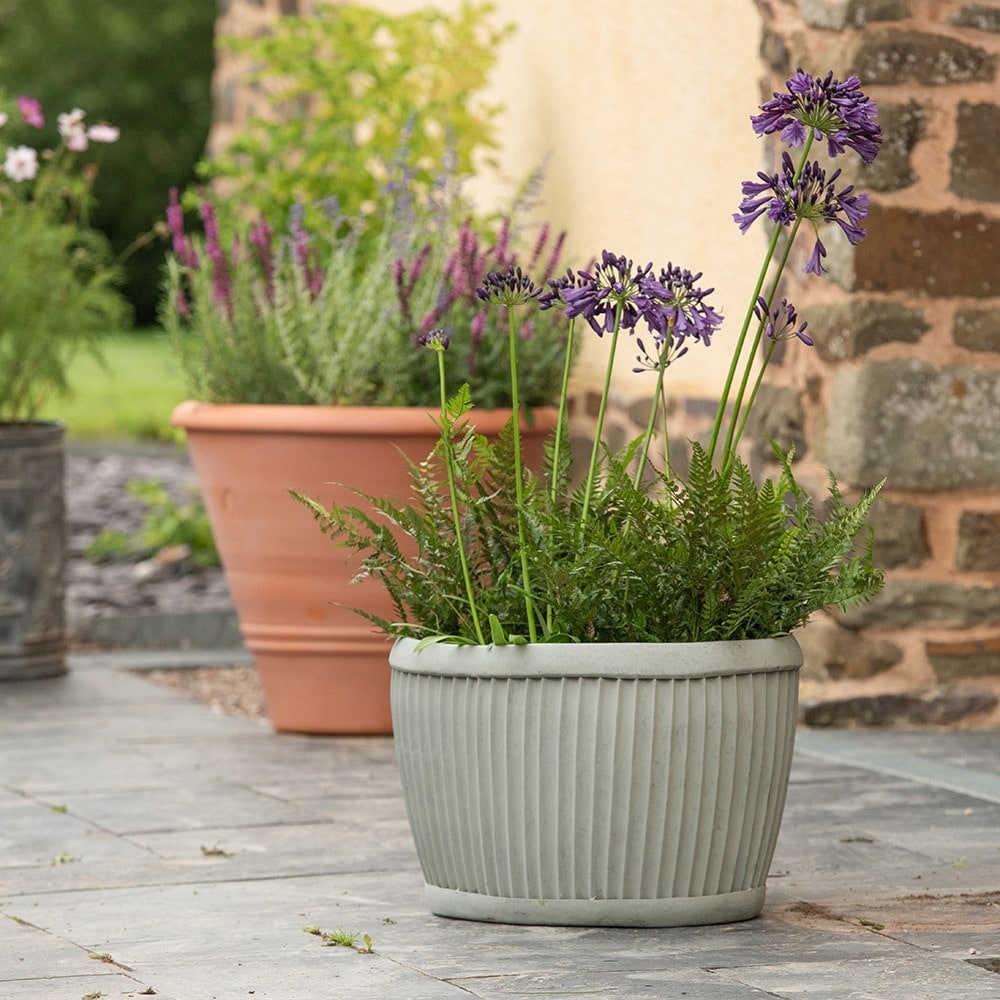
<point>352,87</point>
<point>145,65</point>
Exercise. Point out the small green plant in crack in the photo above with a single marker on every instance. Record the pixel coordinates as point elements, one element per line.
<point>167,524</point>
<point>64,859</point>
<point>343,939</point>
<point>215,852</point>
<point>873,924</point>
<point>103,956</point>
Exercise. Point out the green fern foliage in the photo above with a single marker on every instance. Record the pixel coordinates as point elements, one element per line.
<point>714,556</point>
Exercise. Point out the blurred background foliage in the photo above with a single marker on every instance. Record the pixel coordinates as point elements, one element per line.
<point>143,65</point>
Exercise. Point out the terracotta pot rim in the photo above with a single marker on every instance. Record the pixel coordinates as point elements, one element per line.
<point>193,415</point>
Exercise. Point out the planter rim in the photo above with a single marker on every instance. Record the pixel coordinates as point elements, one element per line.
<point>194,415</point>
<point>652,660</point>
<point>15,433</point>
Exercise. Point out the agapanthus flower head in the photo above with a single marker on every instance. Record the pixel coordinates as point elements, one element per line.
<point>663,355</point>
<point>781,322</point>
<point>508,288</point>
<point>683,306</point>
<point>611,291</point>
<point>812,197</point>
<point>435,340</point>
<point>838,111</point>
<point>555,296</point>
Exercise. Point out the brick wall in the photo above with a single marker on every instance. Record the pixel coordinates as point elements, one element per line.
<point>904,381</point>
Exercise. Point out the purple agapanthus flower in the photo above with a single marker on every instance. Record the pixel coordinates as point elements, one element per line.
<point>612,290</point>
<point>838,111</point>
<point>436,340</point>
<point>781,322</point>
<point>663,355</point>
<point>812,196</point>
<point>556,295</point>
<point>683,306</point>
<point>508,288</point>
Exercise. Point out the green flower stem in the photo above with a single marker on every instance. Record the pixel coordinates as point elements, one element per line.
<point>647,438</point>
<point>744,330</point>
<point>563,402</point>
<point>602,410</point>
<point>733,436</point>
<point>752,400</point>
<point>447,428</point>
<point>529,607</point>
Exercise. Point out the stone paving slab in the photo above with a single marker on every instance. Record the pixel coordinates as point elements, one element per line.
<point>193,849</point>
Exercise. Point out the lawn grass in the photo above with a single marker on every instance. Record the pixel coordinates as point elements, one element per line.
<point>129,397</point>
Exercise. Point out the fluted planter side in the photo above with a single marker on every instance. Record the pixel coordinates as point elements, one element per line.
<point>638,785</point>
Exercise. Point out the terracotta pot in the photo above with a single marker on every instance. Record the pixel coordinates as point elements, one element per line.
<point>32,551</point>
<point>324,669</point>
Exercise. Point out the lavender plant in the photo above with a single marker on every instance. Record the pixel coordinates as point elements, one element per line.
<point>632,553</point>
<point>331,315</point>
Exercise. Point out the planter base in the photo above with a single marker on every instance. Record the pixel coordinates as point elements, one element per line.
<point>682,911</point>
<point>340,688</point>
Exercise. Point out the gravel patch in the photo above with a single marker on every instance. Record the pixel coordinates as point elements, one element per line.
<point>97,497</point>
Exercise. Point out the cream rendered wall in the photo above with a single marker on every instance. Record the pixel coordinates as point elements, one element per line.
<point>642,109</point>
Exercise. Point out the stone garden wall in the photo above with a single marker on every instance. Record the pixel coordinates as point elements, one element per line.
<point>904,380</point>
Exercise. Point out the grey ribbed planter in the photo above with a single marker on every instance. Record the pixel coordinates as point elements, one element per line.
<point>633,785</point>
<point>32,551</point>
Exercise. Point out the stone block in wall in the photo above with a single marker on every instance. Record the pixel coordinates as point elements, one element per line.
<point>896,57</point>
<point>900,535</point>
<point>836,15</point>
<point>976,152</point>
<point>939,706</point>
<point>940,254</point>
<point>777,416</point>
<point>904,603</point>
<point>831,651</point>
<point>852,329</point>
<point>774,52</point>
<point>977,329</point>
<point>962,658</point>
<point>982,17</point>
<point>978,548</point>
<point>923,427</point>
<point>902,126</point>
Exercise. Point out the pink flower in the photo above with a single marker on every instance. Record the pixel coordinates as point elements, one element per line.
<point>31,112</point>
<point>21,163</point>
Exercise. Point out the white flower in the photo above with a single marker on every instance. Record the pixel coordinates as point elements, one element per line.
<point>3,119</point>
<point>103,133</point>
<point>21,163</point>
<point>71,122</point>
